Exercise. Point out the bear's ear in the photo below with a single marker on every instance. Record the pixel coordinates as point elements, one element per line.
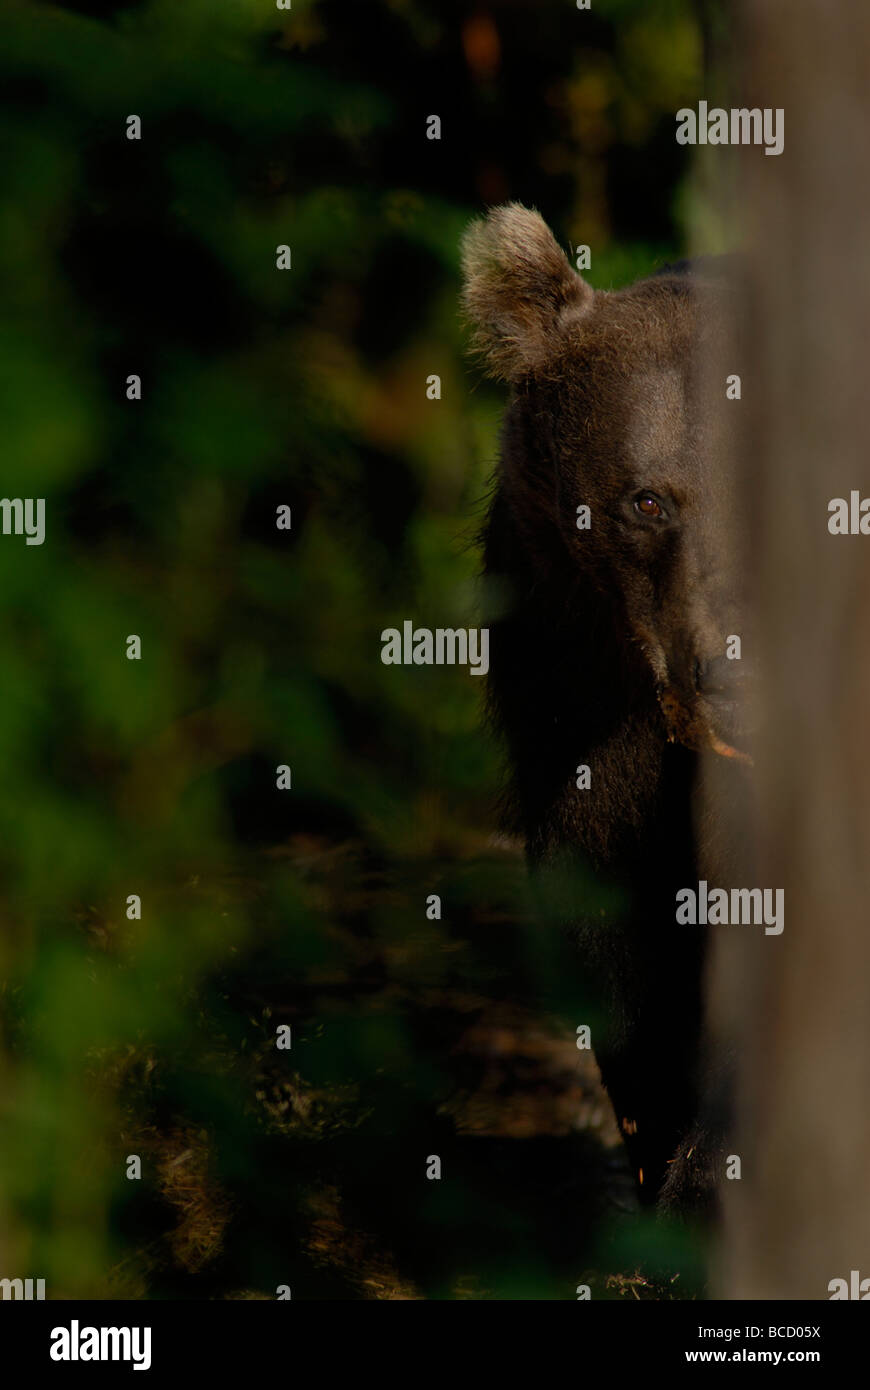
<point>518,288</point>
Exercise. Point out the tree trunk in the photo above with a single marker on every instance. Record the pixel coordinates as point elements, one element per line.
<point>800,1215</point>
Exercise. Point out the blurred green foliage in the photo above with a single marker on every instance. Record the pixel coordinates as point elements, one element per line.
<point>261,647</point>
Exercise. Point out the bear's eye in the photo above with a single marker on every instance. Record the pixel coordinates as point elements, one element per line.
<point>648,505</point>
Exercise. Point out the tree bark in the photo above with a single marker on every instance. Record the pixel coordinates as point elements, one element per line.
<point>800,1215</point>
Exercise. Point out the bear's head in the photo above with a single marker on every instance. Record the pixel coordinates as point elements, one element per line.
<point>617,406</point>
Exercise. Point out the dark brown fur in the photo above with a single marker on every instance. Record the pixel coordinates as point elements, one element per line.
<point>611,651</point>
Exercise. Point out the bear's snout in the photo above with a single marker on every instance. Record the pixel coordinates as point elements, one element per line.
<point>720,678</point>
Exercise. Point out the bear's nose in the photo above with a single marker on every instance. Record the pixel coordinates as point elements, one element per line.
<point>720,678</point>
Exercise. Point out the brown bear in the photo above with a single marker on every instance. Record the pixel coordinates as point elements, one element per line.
<point>610,540</point>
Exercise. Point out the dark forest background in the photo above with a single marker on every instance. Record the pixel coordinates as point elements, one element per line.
<point>260,647</point>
